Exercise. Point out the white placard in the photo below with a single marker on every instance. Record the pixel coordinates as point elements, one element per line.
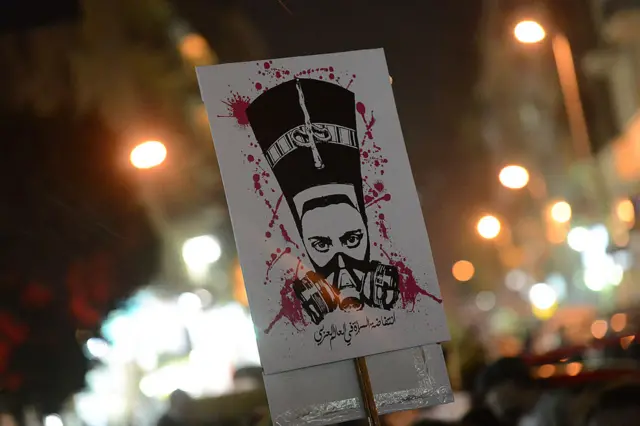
<point>330,234</point>
<point>407,379</point>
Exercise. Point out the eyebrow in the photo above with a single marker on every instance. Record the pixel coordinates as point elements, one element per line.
<point>347,234</point>
<point>326,201</point>
<point>320,238</point>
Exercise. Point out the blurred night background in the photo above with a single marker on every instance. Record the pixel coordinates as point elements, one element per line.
<point>119,280</point>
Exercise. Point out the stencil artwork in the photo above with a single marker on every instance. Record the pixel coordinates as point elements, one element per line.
<point>306,129</point>
<point>310,200</point>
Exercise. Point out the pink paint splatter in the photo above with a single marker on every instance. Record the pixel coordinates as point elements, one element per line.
<point>382,227</point>
<point>290,307</point>
<point>274,212</point>
<point>361,109</point>
<point>237,108</point>
<point>353,77</point>
<point>275,257</point>
<point>287,237</point>
<point>408,285</point>
<point>385,197</point>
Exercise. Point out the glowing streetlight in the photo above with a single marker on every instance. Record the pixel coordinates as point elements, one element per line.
<point>514,177</point>
<point>200,252</point>
<point>463,270</point>
<point>488,227</point>
<point>148,155</point>
<point>561,212</point>
<point>542,296</point>
<point>529,32</point>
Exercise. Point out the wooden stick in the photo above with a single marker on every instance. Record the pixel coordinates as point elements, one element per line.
<point>367,391</point>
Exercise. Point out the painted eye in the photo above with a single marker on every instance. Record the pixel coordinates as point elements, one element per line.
<point>321,246</point>
<point>353,240</point>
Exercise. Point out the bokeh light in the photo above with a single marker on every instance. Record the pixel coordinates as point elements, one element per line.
<point>625,211</point>
<point>517,280</point>
<point>486,301</point>
<point>578,239</point>
<point>542,296</point>
<point>546,371</point>
<point>463,270</point>
<point>239,289</point>
<point>148,155</point>
<point>53,420</point>
<point>488,227</point>
<point>573,368</point>
<point>200,252</point>
<point>514,177</point>
<point>626,341</point>
<point>619,322</point>
<point>561,212</point>
<point>529,32</point>
<point>599,329</point>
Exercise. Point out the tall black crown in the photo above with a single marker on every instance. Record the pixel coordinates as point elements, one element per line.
<point>282,119</point>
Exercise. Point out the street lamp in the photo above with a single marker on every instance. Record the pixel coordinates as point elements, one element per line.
<point>488,227</point>
<point>529,32</point>
<point>148,155</point>
<point>514,177</point>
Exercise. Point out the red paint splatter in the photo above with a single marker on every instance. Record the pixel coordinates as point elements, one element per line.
<point>351,81</point>
<point>290,306</point>
<point>274,212</point>
<point>382,227</point>
<point>267,65</point>
<point>250,158</point>
<point>385,197</point>
<point>408,285</point>
<point>237,107</point>
<point>287,237</point>
<point>275,258</point>
<point>258,86</point>
<point>267,234</point>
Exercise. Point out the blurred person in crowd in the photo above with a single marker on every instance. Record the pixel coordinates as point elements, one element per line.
<point>480,416</point>
<point>516,399</point>
<point>248,378</point>
<point>508,389</point>
<point>178,408</point>
<point>473,359</point>
<point>633,351</point>
<point>617,406</point>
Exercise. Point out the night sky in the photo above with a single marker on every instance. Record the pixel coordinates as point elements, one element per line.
<point>431,48</point>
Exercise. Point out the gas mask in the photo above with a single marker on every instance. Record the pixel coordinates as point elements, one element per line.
<point>347,284</point>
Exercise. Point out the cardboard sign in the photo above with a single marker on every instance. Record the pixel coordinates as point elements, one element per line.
<point>401,380</point>
<point>329,230</point>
